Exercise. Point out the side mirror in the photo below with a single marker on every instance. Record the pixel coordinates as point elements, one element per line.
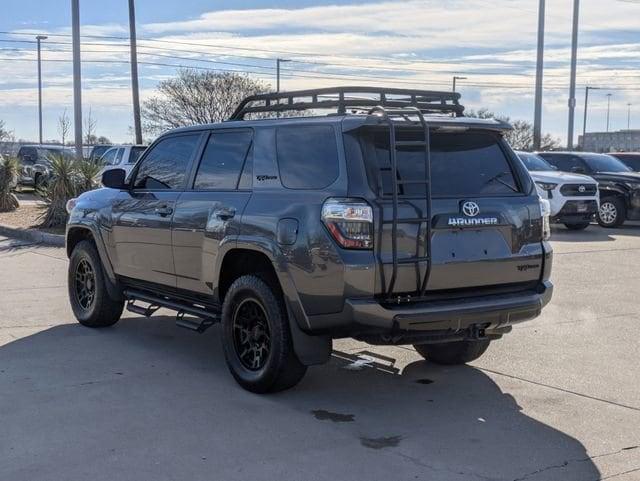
<point>114,179</point>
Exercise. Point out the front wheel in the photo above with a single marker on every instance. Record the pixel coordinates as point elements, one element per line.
<point>256,338</point>
<point>452,353</point>
<point>581,226</point>
<point>612,212</point>
<point>90,300</point>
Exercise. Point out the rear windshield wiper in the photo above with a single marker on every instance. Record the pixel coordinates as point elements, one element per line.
<point>498,178</point>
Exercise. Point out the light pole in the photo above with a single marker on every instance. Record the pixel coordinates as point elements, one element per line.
<point>572,83</point>
<point>455,77</point>
<point>586,108</point>
<point>40,38</point>
<point>77,82</point>
<point>134,73</point>
<point>537,116</point>
<point>629,116</point>
<point>278,62</point>
<point>608,109</point>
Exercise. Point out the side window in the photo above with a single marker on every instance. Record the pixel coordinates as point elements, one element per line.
<point>109,157</point>
<point>307,156</point>
<point>165,165</point>
<point>222,160</point>
<point>562,162</point>
<point>134,154</point>
<point>119,156</point>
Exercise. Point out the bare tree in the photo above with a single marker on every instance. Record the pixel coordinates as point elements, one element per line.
<point>90,129</point>
<point>4,133</point>
<point>64,126</point>
<point>521,136</point>
<point>197,97</point>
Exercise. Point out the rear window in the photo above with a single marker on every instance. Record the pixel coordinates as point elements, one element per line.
<point>307,156</point>
<point>463,164</point>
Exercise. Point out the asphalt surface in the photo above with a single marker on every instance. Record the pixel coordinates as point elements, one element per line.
<point>557,399</point>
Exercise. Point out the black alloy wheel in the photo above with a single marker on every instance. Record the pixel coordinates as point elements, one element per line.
<point>251,335</point>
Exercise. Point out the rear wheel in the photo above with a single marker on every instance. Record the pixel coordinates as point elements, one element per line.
<point>256,338</point>
<point>581,226</point>
<point>90,300</point>
<point>612,212</point>
<point>451,353</point>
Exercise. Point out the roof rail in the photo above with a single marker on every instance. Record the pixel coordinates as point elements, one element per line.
<point>345,99</point>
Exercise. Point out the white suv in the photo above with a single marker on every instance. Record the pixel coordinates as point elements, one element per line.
<point>121,157</point>
<point>573,198</point>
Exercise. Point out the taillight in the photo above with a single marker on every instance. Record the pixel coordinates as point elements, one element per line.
<point>350,222</point>
<point>545,211</point>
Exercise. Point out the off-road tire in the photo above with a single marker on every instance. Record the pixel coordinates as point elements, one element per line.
<point>103,311</point>
<point>452,353</point>
<point>621,212</point>
<point>282,369</point>
<point>581,226</point>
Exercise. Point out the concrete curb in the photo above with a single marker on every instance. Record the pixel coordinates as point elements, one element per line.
<point>33,235</point>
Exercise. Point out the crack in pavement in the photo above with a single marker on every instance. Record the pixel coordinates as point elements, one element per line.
<point>611,476</point>
<point>579,460</point>
<point>422,464</point>
<point>568,391</point>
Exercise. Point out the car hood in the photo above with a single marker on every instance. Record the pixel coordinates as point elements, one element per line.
<point>618,176</point>
<point>556,177</point>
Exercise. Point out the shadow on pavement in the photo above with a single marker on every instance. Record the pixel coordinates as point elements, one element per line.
<point>146,400</point>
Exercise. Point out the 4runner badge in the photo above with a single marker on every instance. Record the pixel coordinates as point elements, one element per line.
<point>471,210</point>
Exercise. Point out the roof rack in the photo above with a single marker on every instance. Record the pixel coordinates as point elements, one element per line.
<point>345,99</point>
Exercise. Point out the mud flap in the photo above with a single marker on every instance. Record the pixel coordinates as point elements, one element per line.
<point>311,350</point>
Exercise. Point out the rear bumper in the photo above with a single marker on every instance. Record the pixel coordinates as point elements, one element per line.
<point>493,312</point>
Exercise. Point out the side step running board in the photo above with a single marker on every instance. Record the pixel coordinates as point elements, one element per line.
<point>204,319</point>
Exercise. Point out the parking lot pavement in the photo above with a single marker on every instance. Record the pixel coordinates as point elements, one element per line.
<point>557,399</point>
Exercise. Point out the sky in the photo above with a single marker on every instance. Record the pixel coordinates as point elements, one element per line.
<point>408,43</point>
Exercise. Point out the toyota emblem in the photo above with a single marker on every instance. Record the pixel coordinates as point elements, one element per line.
<point>582,189</point>
<point>470,209</point>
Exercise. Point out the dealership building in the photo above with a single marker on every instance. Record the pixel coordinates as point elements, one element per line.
<point>620,141</point>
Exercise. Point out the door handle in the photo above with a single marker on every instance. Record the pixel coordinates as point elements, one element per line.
<point>163,211</point>
<point>225,214</point>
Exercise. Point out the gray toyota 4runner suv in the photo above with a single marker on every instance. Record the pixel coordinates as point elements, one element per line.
<point>392,219</point>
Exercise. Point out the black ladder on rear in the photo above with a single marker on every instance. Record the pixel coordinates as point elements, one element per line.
<point>391,117</point>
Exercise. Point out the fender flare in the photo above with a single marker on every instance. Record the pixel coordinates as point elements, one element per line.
<point>110,279</point>
<point>310,349</point>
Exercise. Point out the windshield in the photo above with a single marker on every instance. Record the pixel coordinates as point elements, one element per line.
<point>604,163</point>
<point>98,151</point>
<point>46,154</point>
<point>534,162</point>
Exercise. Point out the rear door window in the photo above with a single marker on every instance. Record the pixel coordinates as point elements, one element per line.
<point>463,164</point>
<point>307,156</point>
<point>222,160</point>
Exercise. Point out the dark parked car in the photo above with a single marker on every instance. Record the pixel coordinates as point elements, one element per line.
<point>619,186</point>
<point>630,159</point>
<point>394,220</point>
<point>35,161</point>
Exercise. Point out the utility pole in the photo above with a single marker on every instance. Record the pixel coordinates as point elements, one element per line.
<point>137,125</point>
<point>278,62</point>
<point>455,77</point>
<point>537,115</point>
<point>608,109</point>
<point>629,116</point>
<point>77,81</point>
<point>39,39</point>
<point>574,61</point>
<point>586,108</point>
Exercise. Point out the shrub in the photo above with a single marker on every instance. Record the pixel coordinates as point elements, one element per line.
<point>68,178</point>
<point>9,168</point>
